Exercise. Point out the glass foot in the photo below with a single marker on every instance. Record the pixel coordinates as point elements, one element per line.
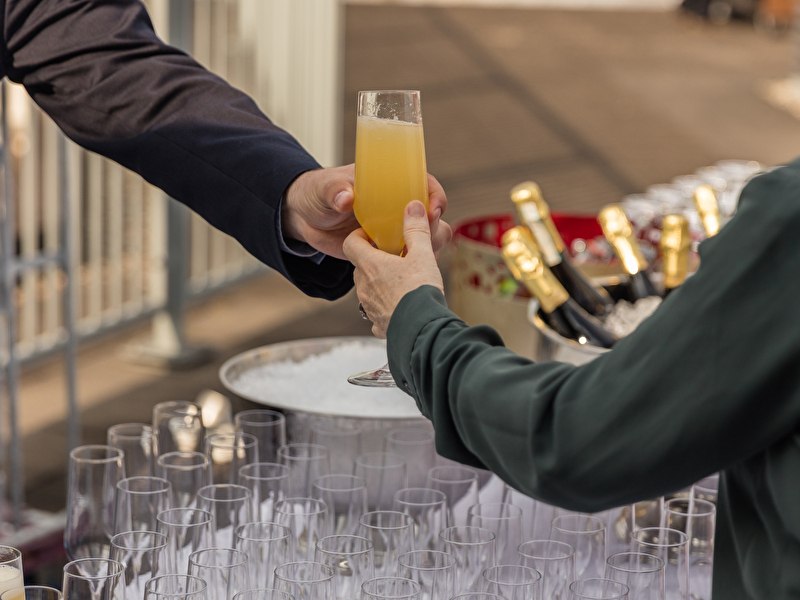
<point>378,378</point>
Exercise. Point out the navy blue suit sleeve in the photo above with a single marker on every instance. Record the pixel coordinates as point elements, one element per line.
<point>99,70</point>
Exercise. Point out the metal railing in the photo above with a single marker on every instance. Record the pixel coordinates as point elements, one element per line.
<point>84,236</point>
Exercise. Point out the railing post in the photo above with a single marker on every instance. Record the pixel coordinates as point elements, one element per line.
<point>168,346</point>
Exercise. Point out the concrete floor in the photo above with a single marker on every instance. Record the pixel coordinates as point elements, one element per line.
<point>593,105</point>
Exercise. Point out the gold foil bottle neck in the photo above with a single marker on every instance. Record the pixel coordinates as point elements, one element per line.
<point>675,245</point>
<point>705,200</point>
<point>525,262</point>
<point>534,212</point>
<point>619,232</point>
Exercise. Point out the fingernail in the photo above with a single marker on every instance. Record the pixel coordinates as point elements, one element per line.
<point>415,209</point>
<point>341,199</point>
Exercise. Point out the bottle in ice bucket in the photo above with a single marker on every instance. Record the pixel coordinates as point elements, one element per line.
<point>534,213</point>
<point>675,245</point>
<point>705,200</point>
<point>619,232</point>
<point>559,311</point>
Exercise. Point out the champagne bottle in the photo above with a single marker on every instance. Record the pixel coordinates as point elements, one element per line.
<point>559,311</point>
<point>675,245</point>
<point>534,213</point>
<point>705,200</point>
<point>619,233</point>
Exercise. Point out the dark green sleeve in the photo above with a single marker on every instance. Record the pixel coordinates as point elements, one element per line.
<point>711,378</point>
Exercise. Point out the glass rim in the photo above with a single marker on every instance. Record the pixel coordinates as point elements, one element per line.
<point>492,536</point>
<point>119,428</point>
<point>415,587</point>
<point>249,440</point>
<point>682,537</point>
<point>353,478</point>
<point>489,571</point>
<point>597,521</point>
<point>284,471</point>
<point>710,507</point>
<point>328,571</point>
<point>320,451</point>
<point>160,517</point>
<point>567,548</point>
<point>573,587</point>
<point>16,554</point>
<point>246,494</point>
<point>119,568</point>
<point>233,552</point>
<point>655,568</point>
<point>248,538</point>
<point>177,453</point>
<point>388,92</point>
<point>368,545</point>
<point>321,506</point>
<point>442,497</point>
<point>115,539</point>
<point>277,417</point>
<point>473,474</point>
<point>116,454</point>
<point>177,577</point>
<point>408,520</point>
<point>165,487</point>
<point>516,510</point>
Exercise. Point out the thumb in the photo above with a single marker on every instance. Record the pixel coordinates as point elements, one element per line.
<point>416,229</point>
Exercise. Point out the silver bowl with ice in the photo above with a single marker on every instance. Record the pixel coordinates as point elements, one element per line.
<point>307,381</point>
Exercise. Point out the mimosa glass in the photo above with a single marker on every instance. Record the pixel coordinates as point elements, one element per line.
<point>390,172</point>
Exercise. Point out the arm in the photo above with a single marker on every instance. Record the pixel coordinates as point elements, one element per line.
<point>98,69</point>
<point>709,380</point>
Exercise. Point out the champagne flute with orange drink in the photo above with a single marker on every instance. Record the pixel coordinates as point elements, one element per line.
<point>390,172</point>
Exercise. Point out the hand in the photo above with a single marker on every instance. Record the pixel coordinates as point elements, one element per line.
<point>318,209</point>
<point>382,279</point>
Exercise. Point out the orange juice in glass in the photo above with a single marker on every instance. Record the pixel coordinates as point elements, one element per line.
<point>390,164</point>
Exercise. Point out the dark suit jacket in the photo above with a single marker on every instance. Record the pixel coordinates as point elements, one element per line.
<point>98,69</point>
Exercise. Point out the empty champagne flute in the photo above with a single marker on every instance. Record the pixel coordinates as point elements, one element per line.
<point>416,446</point>
<point>187,472</point>
<point>707,488</point>
<point>186,530</point>
<point>587,535</point>
<point>697,519</point>
<point>597,589</point>
<point>306,462</point>
<point>433,570</point>
<point>505,520</point>
<point>10,568</point>
<point>342,438</point>
<point>94,472</point>
<point>346,499</point>
<point>306,580</point>
<point>642,573</point>
<point>93,579</point>
<point>473,549</point>
<point>514,582</point>
<point>390,172</point>
<point>142,555</point>
<point>383,473</point>
<point>390,588</point>
<point>428,509</point>
<point>136,441</point>
<point>231,506</point>
<point>268,545</point>
<point>267,484</point>
<point>176,587</point>
<point>459,484</point>
<point>138,502</point>
<point>177,427</point>
<point>555,561</point>
<point>269,428</point>
<point>225,571</point>
<point>529,509</point>
<point>391,534</point>
<point>32,592</point>
<point>351,558</point>
<point>228,452</point>
<point>307,522</point>
<point>672,547</point>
